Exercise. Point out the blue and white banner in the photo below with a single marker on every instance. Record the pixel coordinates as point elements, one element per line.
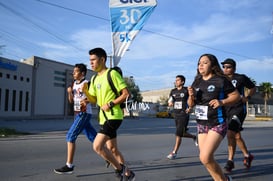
<point>127,19</point>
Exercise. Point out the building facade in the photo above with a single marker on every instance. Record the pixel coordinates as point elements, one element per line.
<point>35,88</point>
<point>255,104</point>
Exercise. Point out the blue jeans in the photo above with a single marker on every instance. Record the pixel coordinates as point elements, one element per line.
<point>81,124</point>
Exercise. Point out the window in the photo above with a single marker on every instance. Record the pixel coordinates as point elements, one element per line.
<point>27,101</point>
<point>59,79</point>
<point>20,100</point>
<point>7,100</point>
<point>15,77</point>
<point>13,100</point>
<point>59,73</point>
<point>59,85</point>
<point>0,98</point>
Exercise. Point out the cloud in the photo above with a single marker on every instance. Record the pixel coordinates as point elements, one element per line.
<point>48,45</point>
<point>90,38</point>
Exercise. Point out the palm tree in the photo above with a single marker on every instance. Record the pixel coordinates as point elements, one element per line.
<point>266,89</point>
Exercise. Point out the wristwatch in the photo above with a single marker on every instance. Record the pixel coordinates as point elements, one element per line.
<point>111,104</point>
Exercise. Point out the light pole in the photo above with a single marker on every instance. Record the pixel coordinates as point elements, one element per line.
<point>111,60</point>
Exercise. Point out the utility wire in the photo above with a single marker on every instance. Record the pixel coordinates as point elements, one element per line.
<point>198,44</point>
<point>37,25</point>
<point>73,10</point>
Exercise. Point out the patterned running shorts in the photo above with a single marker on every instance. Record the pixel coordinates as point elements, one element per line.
<point>220,129</point>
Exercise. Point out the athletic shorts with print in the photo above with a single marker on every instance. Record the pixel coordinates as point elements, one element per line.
<point>220,129</point>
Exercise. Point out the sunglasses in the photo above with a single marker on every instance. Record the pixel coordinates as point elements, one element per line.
<point>227,67</point>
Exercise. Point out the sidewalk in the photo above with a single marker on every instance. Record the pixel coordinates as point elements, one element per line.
<point>37,126</point>
<point>49,125</point>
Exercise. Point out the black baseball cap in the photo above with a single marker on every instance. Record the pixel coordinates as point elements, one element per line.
<point>229,61</point>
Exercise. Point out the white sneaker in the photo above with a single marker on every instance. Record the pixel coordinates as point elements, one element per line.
<point>195,139</point>
<point>172,156</point>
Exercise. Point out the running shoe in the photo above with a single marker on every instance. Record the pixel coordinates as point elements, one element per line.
<point>121,173</point>
<point>64,170</point>
<point>195,139</point>
<point>229,166</point>
<point>248,160</point>
<point>131,177</point>
<point>107,163</point>
<point>229,178</point>
<point>172,156</point>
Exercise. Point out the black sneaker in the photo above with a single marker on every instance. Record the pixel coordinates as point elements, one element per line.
<point>229,178</point>
<point>131,177</point>
<point>120,173</point>
<point>229,166</point>
<point>64,170</point>
<point>107,163</point>
<point>248,160</point>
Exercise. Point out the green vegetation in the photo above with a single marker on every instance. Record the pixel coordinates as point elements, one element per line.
<point>266,89</point>
<point>133,89</point>
<point>7,132</point>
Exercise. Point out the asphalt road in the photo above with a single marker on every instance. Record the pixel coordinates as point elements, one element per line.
<point>144,142</point>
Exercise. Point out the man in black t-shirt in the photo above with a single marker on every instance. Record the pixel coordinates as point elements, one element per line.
<point>237,113</point>
<point>178,100</point>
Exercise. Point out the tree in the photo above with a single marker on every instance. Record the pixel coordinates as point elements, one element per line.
<point>133,89</point>
<point>266,89</point>
<point>163,100</point>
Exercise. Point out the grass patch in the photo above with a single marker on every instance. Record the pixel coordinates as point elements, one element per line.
<point>7,132</point>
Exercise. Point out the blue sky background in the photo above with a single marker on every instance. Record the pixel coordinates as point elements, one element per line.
<point>171,42</point>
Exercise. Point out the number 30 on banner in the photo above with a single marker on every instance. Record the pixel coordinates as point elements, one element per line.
<point>132,17</point>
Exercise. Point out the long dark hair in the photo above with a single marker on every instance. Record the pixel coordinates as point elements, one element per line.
<point>215,66</point>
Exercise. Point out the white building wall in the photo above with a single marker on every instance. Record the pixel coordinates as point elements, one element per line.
<point>154,95</point>
<point>50,87</point>
<point>15,88</point>
<point>41,81</point>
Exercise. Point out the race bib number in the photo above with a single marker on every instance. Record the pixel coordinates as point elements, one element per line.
<point>77,105</point>
<point>201,112</point>
<point>177,105</point>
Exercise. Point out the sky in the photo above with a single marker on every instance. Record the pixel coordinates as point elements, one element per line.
<point>177,33</point>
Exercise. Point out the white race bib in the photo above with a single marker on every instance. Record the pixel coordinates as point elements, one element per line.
<point>177,105</point>
<point>201,112</point>
<point>77,104</point>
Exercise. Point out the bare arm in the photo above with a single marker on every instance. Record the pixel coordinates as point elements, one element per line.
<point>70,94</point>
<point>232,98</point>
<point>191,98</point>
<point>91,99</point>
<point>251,92</point>
<point>122,98</point>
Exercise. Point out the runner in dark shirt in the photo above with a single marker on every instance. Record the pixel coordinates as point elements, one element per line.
<point>178,101</point>
<point>237,113</point>
<point>210,92</point>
